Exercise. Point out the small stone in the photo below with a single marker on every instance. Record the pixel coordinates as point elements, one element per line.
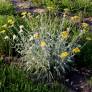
<point>67,80</point>
<point>80,81</point>
<point>82,87</point>
<point>71,83</point>
<point>76,88</point>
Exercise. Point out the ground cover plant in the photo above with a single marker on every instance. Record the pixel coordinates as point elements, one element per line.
<point>83,6</point>
<point>13,79</point>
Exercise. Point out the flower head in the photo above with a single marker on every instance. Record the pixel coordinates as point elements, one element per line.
<point>36,35</point>
<point>10,21</point>
<point>64,55</point>
<point>23,14</point>
<point>64,34</point>
<point>3,31</point>
<point>42,43</point>
<point>76,50</point>
<point>85,25</point>
<point>4,26</point>
<point>50,8</point>
<point>75,19</point>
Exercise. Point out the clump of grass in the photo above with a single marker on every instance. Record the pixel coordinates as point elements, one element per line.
<point>12,79</point>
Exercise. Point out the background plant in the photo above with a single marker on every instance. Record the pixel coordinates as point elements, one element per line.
<point>6,7</point>
<point>74,6</point>
<point>6,25</point>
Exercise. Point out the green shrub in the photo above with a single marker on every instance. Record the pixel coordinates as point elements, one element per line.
<point>46,48</point>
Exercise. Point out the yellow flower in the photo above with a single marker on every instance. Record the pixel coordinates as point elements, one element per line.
<point>76,50</point>
<point>50,8</point>
<point>75,19</point>
<point>43,44</point>
<point>85,25</point>
<point>29,14</point>
<point>85,30</point>
<point>64,55</point>
<point>3,31</point>
<point>5,25</point>
<point>23,13</point>
<point>64,34</point>
<point>36,35</point>
<point>10,21</point>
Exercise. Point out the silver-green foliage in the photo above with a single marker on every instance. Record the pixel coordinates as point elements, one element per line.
<point>43,61</point>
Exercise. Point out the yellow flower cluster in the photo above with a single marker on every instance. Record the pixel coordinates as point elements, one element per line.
<point>36,35</point>
<point>3,31</point>
<point>11,22</point>
<point>24,14</point>
<point>42,44</point>
<point>64,34</point>
<point>64,55</point>
<point>76,50</point>
<point>4,26</point>
<point>75,19</point>
<point>85,25</point>
<point>50,8</point>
